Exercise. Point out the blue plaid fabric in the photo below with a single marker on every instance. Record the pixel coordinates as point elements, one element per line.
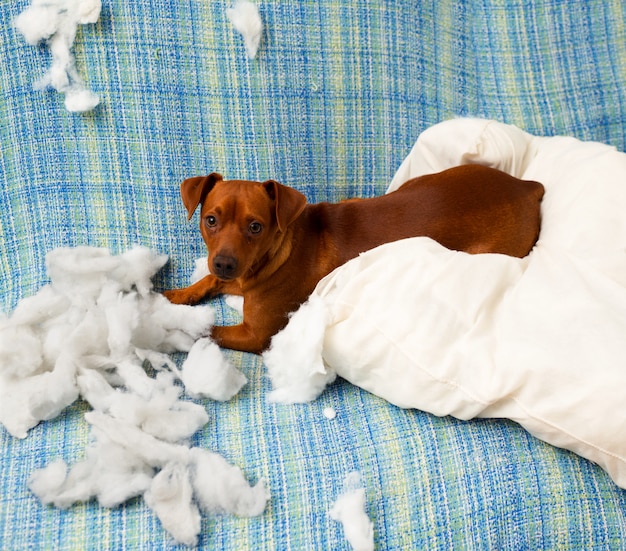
<point>331,105</point>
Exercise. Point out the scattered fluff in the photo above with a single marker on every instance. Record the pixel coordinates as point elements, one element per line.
<point>201,269</point>
<point>124,462</point>
<point>294,360</point>
<point>349,509</point>
<point>55,22</point>
<point>235,302</point>
<point>245,17</point>
<point>157,410</point>
<point>221,488</point>
<point>170,496</point>
<point>98,312</point>
<point>91,333</point>
<point>206,373</point>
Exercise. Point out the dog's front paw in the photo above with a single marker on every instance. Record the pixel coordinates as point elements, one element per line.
<point>180,296</point>
<point>206,287</point>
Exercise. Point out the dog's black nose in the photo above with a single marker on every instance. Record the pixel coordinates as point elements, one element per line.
<point>224,266</point>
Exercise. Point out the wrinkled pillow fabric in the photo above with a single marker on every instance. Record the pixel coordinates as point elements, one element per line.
<point>540,340</point>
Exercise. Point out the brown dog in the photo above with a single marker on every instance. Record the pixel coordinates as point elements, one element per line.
<point>266,243</point>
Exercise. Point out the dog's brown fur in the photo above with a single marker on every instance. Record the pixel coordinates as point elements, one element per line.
<point>266,243</point>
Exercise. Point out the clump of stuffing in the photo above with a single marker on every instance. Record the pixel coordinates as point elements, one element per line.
<point>98,313</point>
<point>207,374</point>
<point>245,17</point>
<point>176,481</point>
<point>91,333</point>
<point>349,509</point>
<point>235,302</point>
<point>201,269</point>
<point>294,360</point>
<point>55,22</point>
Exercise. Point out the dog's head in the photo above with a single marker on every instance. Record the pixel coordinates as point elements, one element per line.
<point>241,222</point>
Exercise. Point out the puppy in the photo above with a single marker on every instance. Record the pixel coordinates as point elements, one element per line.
<point>266,243</point>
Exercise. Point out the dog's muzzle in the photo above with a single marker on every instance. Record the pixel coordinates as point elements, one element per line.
<point>224,267</point>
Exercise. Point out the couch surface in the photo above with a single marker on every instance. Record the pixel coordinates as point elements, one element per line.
<point>331,104</point>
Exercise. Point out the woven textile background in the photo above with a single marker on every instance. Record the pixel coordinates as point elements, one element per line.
<point>333,102</point>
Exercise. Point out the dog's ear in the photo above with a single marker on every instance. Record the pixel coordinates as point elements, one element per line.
<point>194,190</point>
<point>289,203</point>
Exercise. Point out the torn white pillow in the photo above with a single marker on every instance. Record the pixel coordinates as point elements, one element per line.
<point>539,340</point>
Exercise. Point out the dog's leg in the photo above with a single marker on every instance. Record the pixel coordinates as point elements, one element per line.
<point>261,320</point>
<point>207,287</point>
<point>240,337</point>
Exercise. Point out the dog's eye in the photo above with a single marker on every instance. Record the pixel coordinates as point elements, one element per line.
<point>211,221</point>
<point>255,227</point>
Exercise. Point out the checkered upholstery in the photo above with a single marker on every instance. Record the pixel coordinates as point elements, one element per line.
<point>333,102</point>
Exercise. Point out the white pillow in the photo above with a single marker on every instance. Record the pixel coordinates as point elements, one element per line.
<point>540,340</point>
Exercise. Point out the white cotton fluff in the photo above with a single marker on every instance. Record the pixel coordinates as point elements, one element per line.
<point>220,487</point>
<point>81,273</point>
<point>160,413</point>
<point>95,389</point>
<point>91,332</point>
<point>110,473</point>
<point>95,271</point>
<point>24,402</point>
<point>207,373</point>
<point>294,360</point>
<point>39,308</point>
<point>182,324</point>
<point>46,483</point>
<point>53,391</point>
<point>136,268</point>
<point>79,100</point>
<point>56,22</point>
<point>153,451</point>
<point>21,351</point>
<point>245,17</point>
<point>123,462</point>
<point>158,360</point>
<point>98,312</point>
<point>133,377</point>
<point>26,347</point>
<point>201,269</point>
<point>349,509</point>
<point>121,313</point>
<point>235,302</point>
<point>171,497</point>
